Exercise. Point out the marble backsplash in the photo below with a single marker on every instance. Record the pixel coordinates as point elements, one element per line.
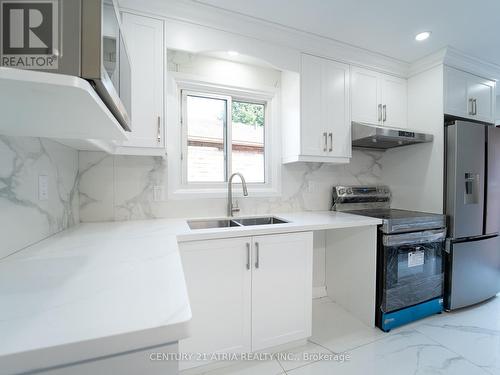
<point>121,188</point>
<point>24,219</point>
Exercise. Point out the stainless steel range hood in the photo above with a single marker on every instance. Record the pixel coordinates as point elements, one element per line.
<point>382,138</point>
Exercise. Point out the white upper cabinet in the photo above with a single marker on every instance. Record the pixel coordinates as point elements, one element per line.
<point>323,133</point>
<point>395,101</point>
<point>469,96</point>
<point>378,98</point>
<point>313,141</point>
<point>145,41</point>
<point>365,96</point>
<point>455,93</point>
<point>482,92</point>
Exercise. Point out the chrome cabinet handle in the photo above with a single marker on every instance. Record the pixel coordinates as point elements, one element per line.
<point>475,106</point>
<point>257,255</point>
<point>471,106</point>
<point>248,256</point>
<point>384,108</point>
<point>380,112</point>
<point>331,142</point>
<point>325,135</point>
<point>158,134</point>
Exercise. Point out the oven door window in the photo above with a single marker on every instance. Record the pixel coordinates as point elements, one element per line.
<point>412,268</point>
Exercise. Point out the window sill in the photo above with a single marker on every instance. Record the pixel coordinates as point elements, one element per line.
<point>204,193</point>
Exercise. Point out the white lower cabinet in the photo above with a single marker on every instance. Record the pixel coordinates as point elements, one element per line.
<point>281,289</point>
<point>247,294</point>
<point>219,288</point>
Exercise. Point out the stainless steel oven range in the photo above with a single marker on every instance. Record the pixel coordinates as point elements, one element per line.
<point>410,273</point>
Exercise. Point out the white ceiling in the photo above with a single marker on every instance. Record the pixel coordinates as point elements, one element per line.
<point>387,26</point>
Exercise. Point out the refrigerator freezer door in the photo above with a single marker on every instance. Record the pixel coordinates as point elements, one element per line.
<point>465,169</point>
<point>474,272</point>
<point>493,188</point>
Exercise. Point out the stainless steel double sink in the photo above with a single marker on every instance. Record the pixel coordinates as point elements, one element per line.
<point>227,223</point>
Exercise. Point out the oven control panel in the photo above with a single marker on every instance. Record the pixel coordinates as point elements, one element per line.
<point>369,192</point>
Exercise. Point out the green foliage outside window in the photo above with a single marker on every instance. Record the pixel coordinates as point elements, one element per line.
<point>248,113</point>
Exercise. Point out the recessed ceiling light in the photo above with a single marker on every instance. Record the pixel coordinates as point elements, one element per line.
<point>422,36</point>
<point>232,53</point>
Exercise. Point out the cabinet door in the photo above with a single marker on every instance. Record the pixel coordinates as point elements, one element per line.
<point>462,89</point>
<point>394,101</point>
<point>219,285</point>
<point>456,97</point>
<point>483,92</point>
<point>314,133</point>
<point>335,107</point>
<point>365,96</point>
<point>144,39</point>
<point>281,289</point>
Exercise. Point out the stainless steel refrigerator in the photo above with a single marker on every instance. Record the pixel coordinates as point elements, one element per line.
<point>472,206</point>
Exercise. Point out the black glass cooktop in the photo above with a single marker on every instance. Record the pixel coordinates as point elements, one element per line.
<point>400,221</point>
<point>391,213</point>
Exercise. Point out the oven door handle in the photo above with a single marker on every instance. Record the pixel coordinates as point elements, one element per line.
<point>414,238</point>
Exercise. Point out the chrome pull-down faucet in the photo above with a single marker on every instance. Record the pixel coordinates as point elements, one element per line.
<point>231,209</point>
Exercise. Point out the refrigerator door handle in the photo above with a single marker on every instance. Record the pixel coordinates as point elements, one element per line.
<point>449,242</point>
<point>481,237</point>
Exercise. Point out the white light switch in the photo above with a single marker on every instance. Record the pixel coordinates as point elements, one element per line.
<point>43,188</point>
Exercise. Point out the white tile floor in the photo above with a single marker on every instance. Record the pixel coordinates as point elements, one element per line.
<point>465,342</point>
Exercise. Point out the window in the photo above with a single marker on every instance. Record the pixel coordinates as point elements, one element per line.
<point>222,130</point>
<point>223,134</point>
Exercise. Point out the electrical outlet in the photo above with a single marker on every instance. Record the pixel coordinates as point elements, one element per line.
<point>312,187</point>
<point>43,188</point>
<point>158,195</point>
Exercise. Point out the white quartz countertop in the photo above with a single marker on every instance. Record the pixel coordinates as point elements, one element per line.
<point>105,288</point>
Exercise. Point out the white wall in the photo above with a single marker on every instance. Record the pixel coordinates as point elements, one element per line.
<point>24,219</point>
<point>121,188</point>
<point>415,173</point>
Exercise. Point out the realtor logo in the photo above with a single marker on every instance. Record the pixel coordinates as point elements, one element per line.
<point>29,31</point>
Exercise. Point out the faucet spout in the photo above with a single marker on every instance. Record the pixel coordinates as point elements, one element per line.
<point>230,207</point>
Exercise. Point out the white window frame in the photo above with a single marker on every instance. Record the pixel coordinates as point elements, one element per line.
<point>178,187</point>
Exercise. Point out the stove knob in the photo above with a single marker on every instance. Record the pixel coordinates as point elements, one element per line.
<point>349,191</point>
<point>341,191</point>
